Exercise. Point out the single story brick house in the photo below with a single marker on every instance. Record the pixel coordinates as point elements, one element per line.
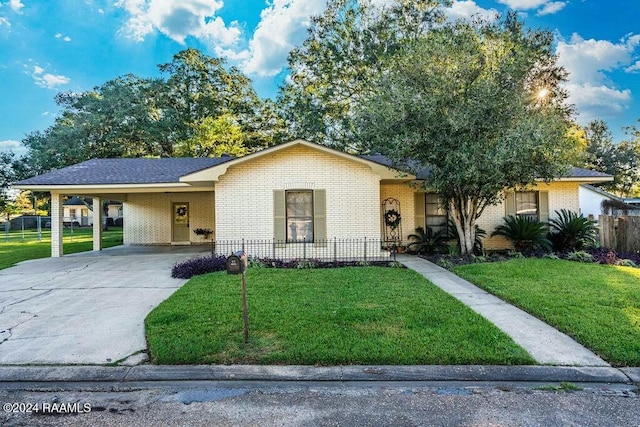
<point>290,193</point>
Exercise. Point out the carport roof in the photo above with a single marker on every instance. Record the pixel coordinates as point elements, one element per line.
<point>125,171</point>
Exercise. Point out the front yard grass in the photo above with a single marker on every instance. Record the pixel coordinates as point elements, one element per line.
<point>359,315</point>
<point>597,305</point>
<point>16,250</point>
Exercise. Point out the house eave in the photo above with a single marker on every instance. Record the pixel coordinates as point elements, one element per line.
<point>118,188</point>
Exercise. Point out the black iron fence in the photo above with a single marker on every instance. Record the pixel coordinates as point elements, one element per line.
<point>326,250</point>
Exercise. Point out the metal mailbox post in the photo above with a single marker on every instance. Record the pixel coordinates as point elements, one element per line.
<point>237,264</point>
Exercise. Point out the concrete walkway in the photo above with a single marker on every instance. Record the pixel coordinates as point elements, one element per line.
<point>544,343</point>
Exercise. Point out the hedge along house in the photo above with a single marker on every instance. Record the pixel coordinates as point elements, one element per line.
<point>292,193</point>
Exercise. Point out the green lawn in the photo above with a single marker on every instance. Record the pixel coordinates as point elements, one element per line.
<point>360,315</point>
<point>598,305</point>
<point>17,250</point>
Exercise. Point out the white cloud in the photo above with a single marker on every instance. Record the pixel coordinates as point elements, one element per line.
<point>467,9</point>
<point>47,80</point>
<point>15,5</point>
<point>4,21</point>
<point>283,25</point>
<point>551,8</point>
<point>65,38</point>
<point>178,20</point>
<point>633,68</point>
<point>523,4</point>
<point>588,63</point>
<point>101,11</point>
<point>13,146</point>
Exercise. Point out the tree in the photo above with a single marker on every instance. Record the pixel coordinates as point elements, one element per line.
<point>200,87</point>
<point>465,101</point>
<point>621,160</point>
<point>348,45</point>
<point>131,116</point>
<point>214,137</point>
<point>7,177</point>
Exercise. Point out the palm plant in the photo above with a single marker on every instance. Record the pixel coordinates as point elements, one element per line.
<point>571,232</point>
<point>428,242</point>
<point>525,233</point>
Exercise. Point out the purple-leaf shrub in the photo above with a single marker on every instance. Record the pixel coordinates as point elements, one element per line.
<point>193,267</point>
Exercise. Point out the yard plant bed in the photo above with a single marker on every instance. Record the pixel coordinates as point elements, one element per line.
<point>358,315</point>
<point>597,305</point>
<point>16,250</point>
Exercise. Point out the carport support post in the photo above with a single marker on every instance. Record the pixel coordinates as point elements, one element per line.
<point>97,224</point>
<point>56,225</point>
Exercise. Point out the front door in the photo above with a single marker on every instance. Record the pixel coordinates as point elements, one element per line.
<point>180,222</point>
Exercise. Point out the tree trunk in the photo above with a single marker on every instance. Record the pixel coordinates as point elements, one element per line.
<point>464,218</point>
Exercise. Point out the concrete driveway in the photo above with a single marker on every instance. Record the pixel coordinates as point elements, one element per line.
<point>85,308</point>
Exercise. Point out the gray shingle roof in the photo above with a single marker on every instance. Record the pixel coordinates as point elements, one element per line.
<point>423,173</point>
<point>125,171</point>
<point>169,170</point>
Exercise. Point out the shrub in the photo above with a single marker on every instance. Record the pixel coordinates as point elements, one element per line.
<point>525,233</point>
<point>306,263</point>
<point>428,242</point>
<point>193,267</point>
<point>571,232</point>
<point>551,256</point>
<point>580,256</point>
<point>515,254</point>
<point>445,263</point>
<point>626,263</point>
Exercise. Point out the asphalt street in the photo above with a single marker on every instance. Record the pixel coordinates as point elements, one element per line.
<point>334,404</point>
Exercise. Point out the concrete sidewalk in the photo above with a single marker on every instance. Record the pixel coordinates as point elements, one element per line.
<point>544,343</point>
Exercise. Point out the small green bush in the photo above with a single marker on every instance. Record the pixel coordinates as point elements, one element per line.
<point>551,256</point>
<point>580,256</point>
<point>428,242</point>
<point>306,263</point>
<point>626,263</point>
<point>445,263</point>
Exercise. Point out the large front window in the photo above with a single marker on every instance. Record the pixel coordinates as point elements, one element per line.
<point>527,204</point>
<point>299,215</point>
<point>435,214</point>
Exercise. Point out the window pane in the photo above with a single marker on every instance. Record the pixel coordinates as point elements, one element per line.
<point>299,230</point>
<point>527,204</point>
<point>299,216</point>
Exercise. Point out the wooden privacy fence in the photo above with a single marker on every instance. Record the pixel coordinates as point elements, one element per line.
<point>621,234</point>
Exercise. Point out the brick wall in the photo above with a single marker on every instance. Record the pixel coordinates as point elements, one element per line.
<point>244,195</point>
<point>148,217</point>
<point>405,195</point>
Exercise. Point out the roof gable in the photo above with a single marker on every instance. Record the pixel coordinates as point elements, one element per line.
<point>213,173</point>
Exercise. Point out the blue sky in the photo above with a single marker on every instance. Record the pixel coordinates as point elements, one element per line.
<point>48,46</point>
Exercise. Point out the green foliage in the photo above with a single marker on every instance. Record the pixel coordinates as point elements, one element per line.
<point>199,107</point>
<point>580,256</point>
<point>571,232</point>
<point>214,137</point>
<point>597,305</point>
<point>626,263</point>
<point>525,233</point>
<point>306,264</point>
<point>462,101</point>
<point>428,242</point>
<point>620,160</point>
<point>339,316</point>
<point>348,45</point>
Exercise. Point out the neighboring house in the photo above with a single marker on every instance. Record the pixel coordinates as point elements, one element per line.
<point>290,192</point>
<point>77,212</point>
<point>595,201</point>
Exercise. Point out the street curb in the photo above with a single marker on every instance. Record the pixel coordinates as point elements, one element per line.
<point>151,373</point>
